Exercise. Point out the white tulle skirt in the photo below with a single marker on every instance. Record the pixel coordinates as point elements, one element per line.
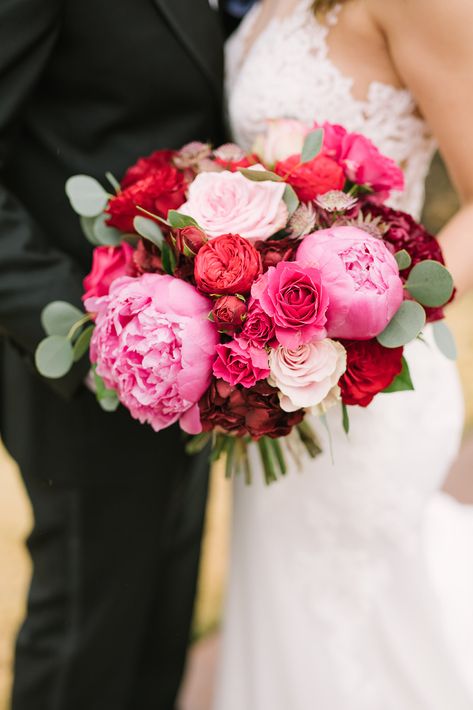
<point>351,583</point>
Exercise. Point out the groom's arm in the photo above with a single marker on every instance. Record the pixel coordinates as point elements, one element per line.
<point>31,273</point>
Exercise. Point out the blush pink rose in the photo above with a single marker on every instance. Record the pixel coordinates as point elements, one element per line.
<point>108,263</point>
<point>240,367</point>
<point>294,297</point>
<point>361,277</point>
<point>306,376</point>
<point>229,203</point>
<point>154,345</point>
<point>283,137</point>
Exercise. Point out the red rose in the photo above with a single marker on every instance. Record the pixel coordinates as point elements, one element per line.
<point>227,265</point>
<point>370,369</point>
<point>162,190</point>
<point>405,233</point>
<point>275,250</point>
<point>258,330</point>
<point>147,258</point>
<point>145,166</point>
<point>228,313</point>
<point>108,264</point>
<point>190,238</point>
<point>316,177</point>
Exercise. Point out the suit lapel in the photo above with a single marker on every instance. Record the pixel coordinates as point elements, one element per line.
<point>198,27</point>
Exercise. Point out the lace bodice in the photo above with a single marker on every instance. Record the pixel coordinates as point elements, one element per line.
<point>287,72</point>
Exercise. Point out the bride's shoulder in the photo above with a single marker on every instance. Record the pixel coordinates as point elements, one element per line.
<point>423,18</point>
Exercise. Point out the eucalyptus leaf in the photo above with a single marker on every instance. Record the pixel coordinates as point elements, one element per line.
<point>405,326</point>
<point>198,443</point>
<point>403,382</point>
<point>430,283</point>
<point>106,236</point>
<point>81,346</point>
<point>345,419</point>
<point>312,145</point>
<point>59,316</point>
<point>403,259</point>
<point>110,403</point>
<point>444,340</point>
<point>149,230</point>
<point>260,175</point>
<point>87,224</point>
<point>179,221</point>
<point>291,199</point>
<point>54,357</point>
<point>168,258</point>
<point>86,195</point>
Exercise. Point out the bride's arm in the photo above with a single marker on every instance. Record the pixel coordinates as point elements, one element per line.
<point>431,43</point>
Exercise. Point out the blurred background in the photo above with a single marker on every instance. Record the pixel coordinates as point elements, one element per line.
<point>15,515</point>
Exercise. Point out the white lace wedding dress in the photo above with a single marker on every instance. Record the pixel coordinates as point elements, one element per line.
<point>347,589</point>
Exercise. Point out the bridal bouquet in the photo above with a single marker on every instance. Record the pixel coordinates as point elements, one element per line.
<point>237,294</point>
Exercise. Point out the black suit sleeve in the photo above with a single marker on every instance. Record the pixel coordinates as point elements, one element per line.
<point>31,272</point>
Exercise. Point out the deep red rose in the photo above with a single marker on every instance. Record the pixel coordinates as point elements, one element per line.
<point>147,258</point>
<point>258,330</point>
<point>370,369</point>
<point>316,177</point>
<point>162,190</point>
<point>405,233</point>
<point>238,411</point>
<point>227,265</point>
<point>228,313</point>
<point>275,250</point>
<point>108,264</point>
<point>190,238</point>
<point>145,166</point>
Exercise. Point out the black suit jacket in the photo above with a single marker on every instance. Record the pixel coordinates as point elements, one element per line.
<point>85,87</point>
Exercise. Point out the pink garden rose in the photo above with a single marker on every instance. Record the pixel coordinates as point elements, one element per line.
<point>154,345</point>
<point>306,376</point>
<point>258,330</point>
<point>240,367</point>
<point>284,137</point>
<point>108,263</point>
<point>229,203</point>
<point>294,297</point>
<point>361,277</point>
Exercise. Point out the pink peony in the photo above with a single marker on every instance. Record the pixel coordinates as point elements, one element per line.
<point>108,263</point>
<point>306,376</point>
<point>284,137</point>
<point>361,277</point>
<point>154,345</point>
<point>229,203</point>
<point>295,299</point>
<point>240,367</point>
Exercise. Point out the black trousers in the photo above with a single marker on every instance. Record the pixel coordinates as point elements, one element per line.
<point>111,599</point>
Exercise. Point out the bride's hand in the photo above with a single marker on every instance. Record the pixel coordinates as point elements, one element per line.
<point>431,43</point>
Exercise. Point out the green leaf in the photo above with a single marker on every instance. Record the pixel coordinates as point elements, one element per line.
<point>345,419</point>
<point>444,340</point>
<point>86,195</point>
<point>54,357</point>
<point>149,230</point>
<point>59,316</point>
<point>403,382</point>
<point>106,236</point>
<point>291,199</point>
<point>403,259</point>
<point>81,346</point>
<point>168,258</point>
<point>430,283</point>
<point>312,145</point>
<point>179,221</point>
<point>110,403</point>
<point>405,326</point>
<point>260,175</point>
<point>87,224</point>
<point>198,443</point>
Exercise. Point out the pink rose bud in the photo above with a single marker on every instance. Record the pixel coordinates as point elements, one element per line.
<point>190,239</point>
<point>228,313</point>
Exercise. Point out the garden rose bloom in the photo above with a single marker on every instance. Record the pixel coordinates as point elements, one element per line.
<point>361,277</point>
<point>226,202</point>
<point>316,177</point>
<point>294,297</point>
<point>154,345</point>
<point>307,375</point>
<point>108,263</point>
<point>283,138</point>
<point>228,313</point>
<point>240,367</point>
<point>370,369</point>
<point>258,329</point>
<point>227,264</point>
